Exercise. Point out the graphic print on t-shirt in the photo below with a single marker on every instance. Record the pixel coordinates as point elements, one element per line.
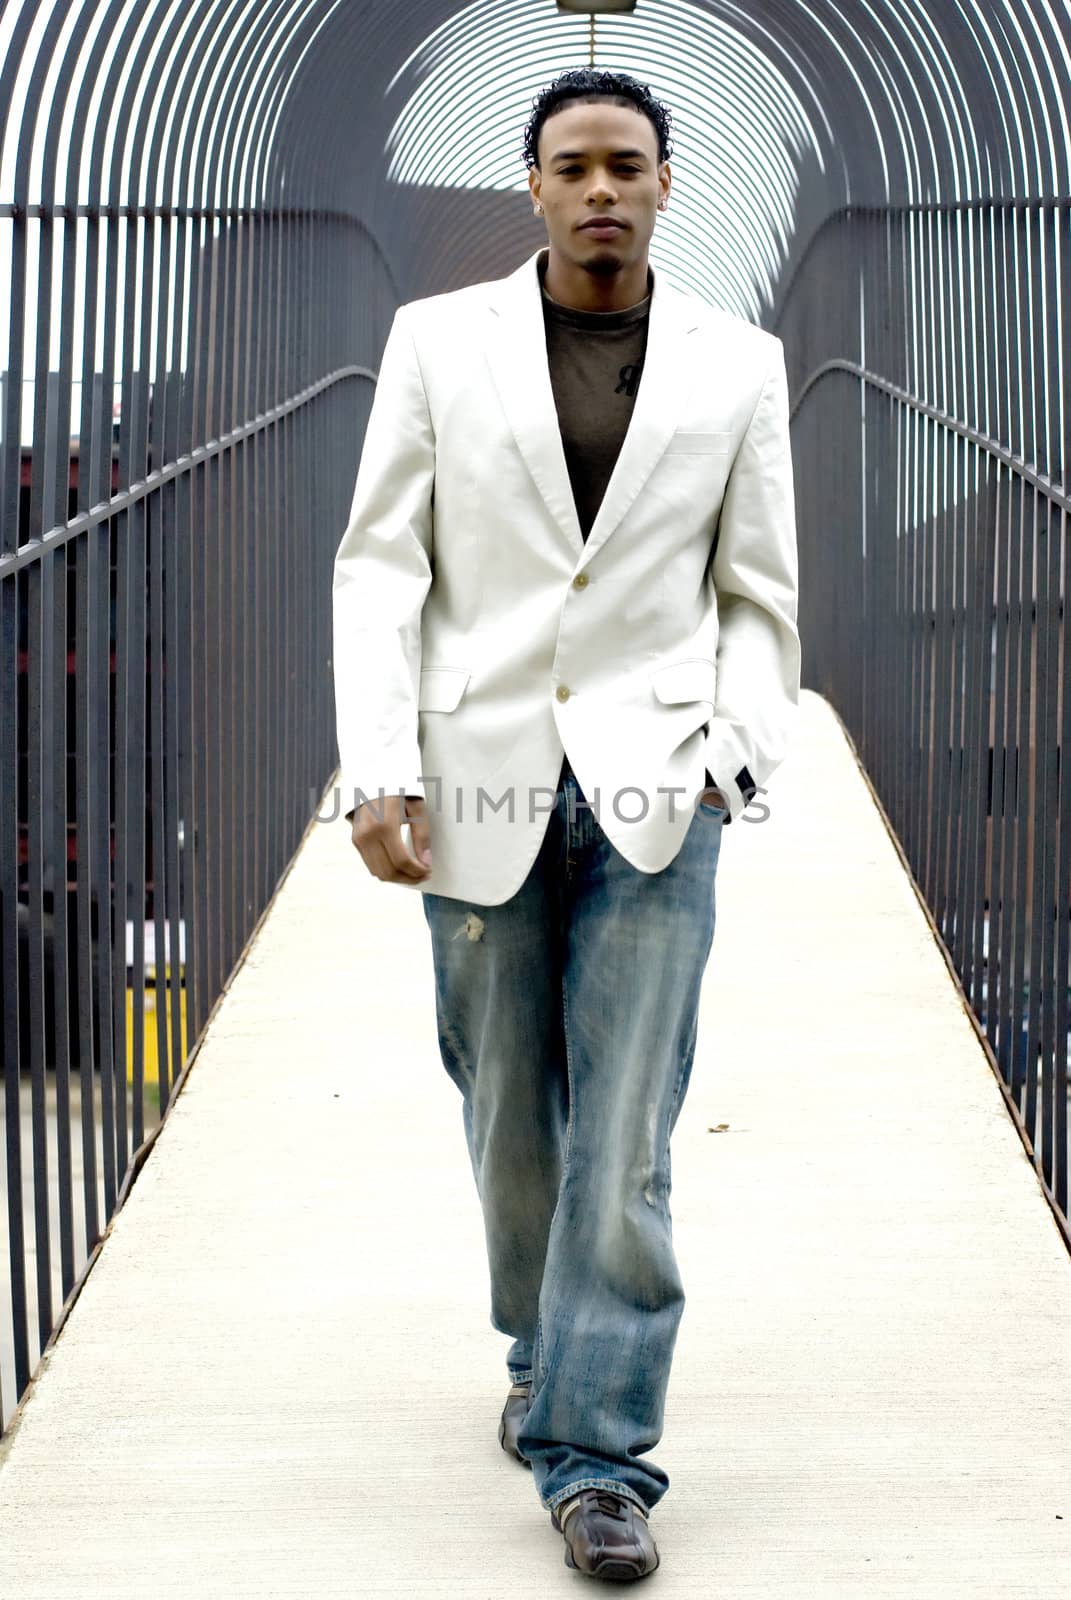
<point>630,379</point>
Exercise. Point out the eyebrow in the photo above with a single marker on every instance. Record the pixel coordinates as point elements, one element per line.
<point>573,155</point>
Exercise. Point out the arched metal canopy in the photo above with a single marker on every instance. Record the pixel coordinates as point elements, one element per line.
<point>329,105</point>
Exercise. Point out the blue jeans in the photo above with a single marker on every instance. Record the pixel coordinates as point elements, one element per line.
<point>567,1019</point>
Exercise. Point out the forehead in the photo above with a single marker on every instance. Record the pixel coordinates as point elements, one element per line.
<point>598,128</point>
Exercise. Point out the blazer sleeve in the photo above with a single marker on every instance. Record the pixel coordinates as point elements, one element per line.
<point>382,574</point>
<point>756,580</point>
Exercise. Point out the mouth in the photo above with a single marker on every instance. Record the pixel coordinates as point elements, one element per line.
<point>604,228</point>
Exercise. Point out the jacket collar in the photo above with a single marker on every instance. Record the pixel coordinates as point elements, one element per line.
<point>517,356</point>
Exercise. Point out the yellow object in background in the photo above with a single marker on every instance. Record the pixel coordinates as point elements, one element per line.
<point>152,1061</point>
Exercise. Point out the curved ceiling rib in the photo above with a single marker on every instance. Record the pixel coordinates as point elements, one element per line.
<point>811,103</point>
<point>950,102</point>
<point>409,120</point>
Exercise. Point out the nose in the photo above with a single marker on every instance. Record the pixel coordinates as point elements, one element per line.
<point>600,189</point>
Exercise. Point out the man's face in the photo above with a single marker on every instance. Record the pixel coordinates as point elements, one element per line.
<point>601,160</point>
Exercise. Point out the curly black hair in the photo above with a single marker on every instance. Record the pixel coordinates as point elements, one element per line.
<point>587,84</point>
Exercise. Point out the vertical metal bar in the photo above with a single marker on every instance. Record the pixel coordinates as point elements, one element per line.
<point>934,733</point>
<point>156,759</point>
<point>917,808</point>
<point>215,838</point>
<point>182,634</point>
<point>188,649</point>
<point>986,295</point>
<point>213,644</point>
<point>84,642</point>
<point>970,843</point>
<point>29,779</point>
<point>1001,927</point>
<point>255,815</point>
<point>1022,797</point>
<point>171,990</point>
<point>105,465</point>
<point>34,788</point>
<point>1047,901</point>
<point>1062,457</point>
<point>289,295</point>
<point>9,991</point>
<point>904,764</point>
<point>61,920</point>
<point>267,368</point>
<point>129,650</point>
<point>249,813</point>
<point>958,506</point>
<point>98,664</point>
<point>1039,994</point>
<point>979,552</point>
<point>132,541</point>
<point>12,536</point>
<point>1001,912</point>
<point>944,611</point>
<point>230,482</point>
<point>201,962</point>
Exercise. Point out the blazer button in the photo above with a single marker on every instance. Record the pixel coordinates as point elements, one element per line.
<point>562,692</point>
<point>580,581</point>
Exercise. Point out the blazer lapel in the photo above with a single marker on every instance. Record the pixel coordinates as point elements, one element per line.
<point>517,357</point>
<point>659,400</point>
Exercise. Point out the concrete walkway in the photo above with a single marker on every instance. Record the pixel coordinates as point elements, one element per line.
<point>281,1378</point>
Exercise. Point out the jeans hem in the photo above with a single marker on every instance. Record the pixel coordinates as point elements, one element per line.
<point>524,1376</point>
<point>613,1484</point>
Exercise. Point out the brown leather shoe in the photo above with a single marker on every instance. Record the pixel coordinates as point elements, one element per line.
<point>606,1536</point>
<point>513,1415</point>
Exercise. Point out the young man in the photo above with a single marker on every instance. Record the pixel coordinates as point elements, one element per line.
<point>565,603</point>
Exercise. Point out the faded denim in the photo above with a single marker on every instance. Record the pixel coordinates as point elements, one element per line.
<point>567,1019</point>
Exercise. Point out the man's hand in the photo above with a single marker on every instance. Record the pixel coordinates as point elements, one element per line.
<point>377,834</point>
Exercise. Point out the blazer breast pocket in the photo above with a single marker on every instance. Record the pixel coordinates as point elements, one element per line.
<point>698,443</point>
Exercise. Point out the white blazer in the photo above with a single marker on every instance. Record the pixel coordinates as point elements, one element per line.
<point>477,635</point>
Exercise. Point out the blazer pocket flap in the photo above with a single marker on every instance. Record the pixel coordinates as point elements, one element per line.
<point>441,688</point>
<point>684,443</point>
<point>692,679</point>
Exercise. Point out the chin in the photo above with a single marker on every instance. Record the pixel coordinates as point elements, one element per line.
<point>604,265</point>
<point>607,254</point>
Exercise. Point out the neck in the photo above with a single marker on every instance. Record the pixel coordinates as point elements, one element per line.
<point>582,290</point>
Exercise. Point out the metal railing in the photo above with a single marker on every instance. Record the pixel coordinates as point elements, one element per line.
<point>931,430</point>
<point>169,527</point>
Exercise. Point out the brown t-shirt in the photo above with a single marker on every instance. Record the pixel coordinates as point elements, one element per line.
<point>595,360</point>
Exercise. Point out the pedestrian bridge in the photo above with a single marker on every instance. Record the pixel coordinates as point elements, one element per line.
<point>280,1377</point>
<point>244,1343</point>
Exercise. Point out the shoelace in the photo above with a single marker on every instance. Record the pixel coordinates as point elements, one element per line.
<point>613,1505</point>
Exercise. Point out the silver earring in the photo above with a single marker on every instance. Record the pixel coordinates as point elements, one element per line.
<point>538,209</point>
